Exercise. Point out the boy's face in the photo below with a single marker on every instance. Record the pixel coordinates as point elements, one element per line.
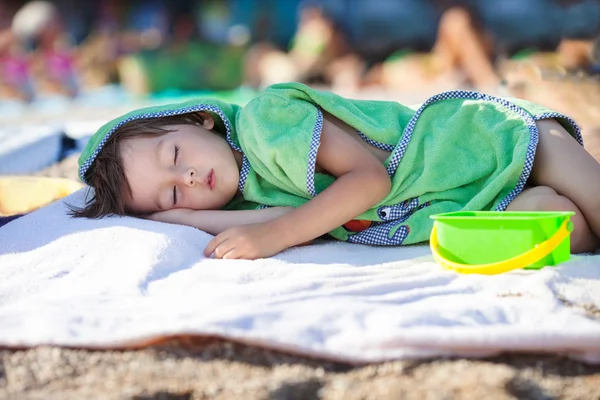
<point>190,167</point>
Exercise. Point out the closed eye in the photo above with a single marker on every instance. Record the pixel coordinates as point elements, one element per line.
<point>175,187</point>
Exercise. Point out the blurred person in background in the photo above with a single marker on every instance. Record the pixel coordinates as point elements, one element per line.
<point>203,43</point>
<point>317,43</point>
<point>580,28</point>
<point>99,51</point>
<point>474,36</point>
<point>337,42</point>
<point>15,81</point>
<point>40,27</point>
<point>435,44</point>
<point>516,40</point>
<point>382,31</point>
<point>125,30</point>
<point>407,44</point>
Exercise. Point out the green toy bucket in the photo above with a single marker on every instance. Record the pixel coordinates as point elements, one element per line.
<point>492,242</point>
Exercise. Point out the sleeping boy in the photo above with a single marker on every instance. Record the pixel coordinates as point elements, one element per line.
<point>296,163</point>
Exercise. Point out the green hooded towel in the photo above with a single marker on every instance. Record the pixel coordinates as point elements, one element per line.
<point>459,150</point>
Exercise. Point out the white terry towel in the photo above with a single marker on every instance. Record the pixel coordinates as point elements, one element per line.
<point>120,281</point>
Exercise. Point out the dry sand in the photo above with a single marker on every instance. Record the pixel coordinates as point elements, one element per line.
<point>214,369</point>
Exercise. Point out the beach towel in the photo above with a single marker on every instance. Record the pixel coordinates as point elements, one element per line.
<point>458,151</point>
<point>122,282</point>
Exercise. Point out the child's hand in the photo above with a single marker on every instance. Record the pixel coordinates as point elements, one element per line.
<point>249,242</point>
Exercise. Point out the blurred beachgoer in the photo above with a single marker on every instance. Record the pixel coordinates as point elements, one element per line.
<point>464,48</point>
<point>120,29</point>
<point>337,42</point>
<point>199,46</point>
<point>380,30</point>
<point>580,27</point>
<point>315,43</point>
<point>474,35</point>
<point>39,24</point>
<point>487,42</point>
<point>515,40</point>
<point>408,44</point>
<point>15,82</point>
<point>318,43</point>
<point>98,53</point>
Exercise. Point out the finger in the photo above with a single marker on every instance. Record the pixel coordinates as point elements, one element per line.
<point>210,247</point>
<point>231,254</point>
<point>223,249</point>
<point>214,243</point>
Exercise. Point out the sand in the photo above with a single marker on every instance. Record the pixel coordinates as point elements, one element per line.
<point>215,369</point>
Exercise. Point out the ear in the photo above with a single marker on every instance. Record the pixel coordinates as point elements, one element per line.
<point>209,121</point>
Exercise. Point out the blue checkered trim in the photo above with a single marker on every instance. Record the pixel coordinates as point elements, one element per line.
<point>392,218</point>
<point>379,235</point>
<point>244,171</point>
<point>399,151</point>
<point>199,107</point>
<point>398,212</point>
<point>312,154</point>
<point>550,115</point>
<point>375,143</point>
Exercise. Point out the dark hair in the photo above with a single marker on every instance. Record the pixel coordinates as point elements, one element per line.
<point>107,173</point>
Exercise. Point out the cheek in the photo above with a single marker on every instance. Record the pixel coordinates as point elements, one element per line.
<point>142,201</point>
<point>144,189</point>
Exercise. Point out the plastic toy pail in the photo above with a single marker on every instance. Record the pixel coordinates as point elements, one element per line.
<point>492,242</point>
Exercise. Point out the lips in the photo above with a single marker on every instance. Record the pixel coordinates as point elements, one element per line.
<point>210,179</point>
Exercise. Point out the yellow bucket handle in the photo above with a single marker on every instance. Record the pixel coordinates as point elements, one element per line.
<point>537,253</point>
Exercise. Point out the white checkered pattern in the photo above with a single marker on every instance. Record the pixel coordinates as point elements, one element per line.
<point>312,154</point>
<point>550,115</point>
<point>379,145</point>
<point>398,212</point>
<point>380,234</point>
<point>243,173</point>
<point>199,107</point>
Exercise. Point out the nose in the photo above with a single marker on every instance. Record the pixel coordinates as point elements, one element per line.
<point>189,177</point>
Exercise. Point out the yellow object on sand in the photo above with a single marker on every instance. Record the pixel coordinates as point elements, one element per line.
<point>22,194</point>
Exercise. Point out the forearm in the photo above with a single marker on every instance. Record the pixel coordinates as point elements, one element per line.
<point>217,221</point>
<point>349,196</point>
